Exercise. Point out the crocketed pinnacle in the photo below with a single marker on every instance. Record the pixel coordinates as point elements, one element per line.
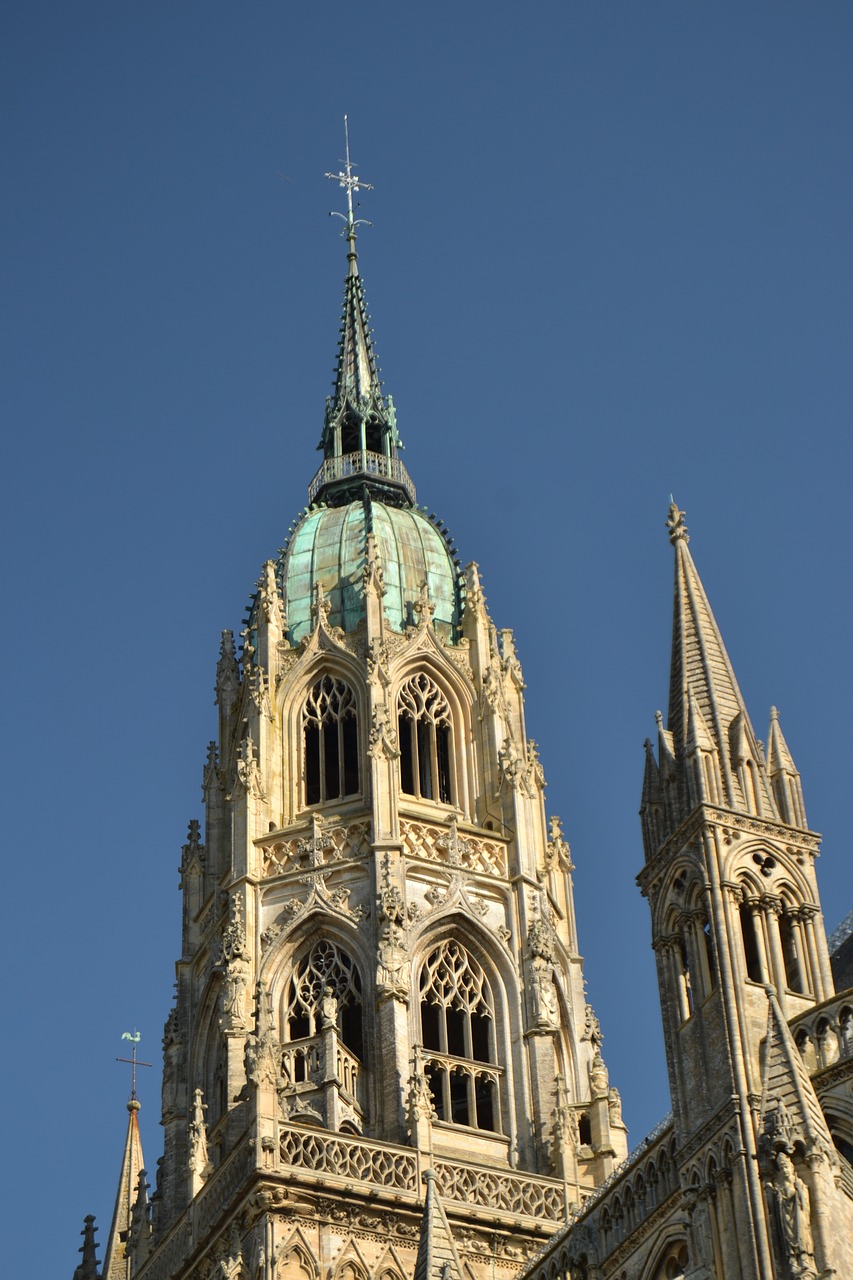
<point>437,1257</point>
<point>704,698</point>
<point>116,1263</point>
<point>88,1267</point>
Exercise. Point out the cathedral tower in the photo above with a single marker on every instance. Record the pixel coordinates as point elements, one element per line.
<point>741,951</point>
<point>380,986</point>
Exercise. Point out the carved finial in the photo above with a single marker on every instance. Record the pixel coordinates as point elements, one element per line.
<point>675,524</point>
<point>320,607</point>
<point>774,714</point>
<point>659,719</point>
<point>424,606</point>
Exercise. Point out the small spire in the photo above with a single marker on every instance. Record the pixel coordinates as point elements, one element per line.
<point>360,442</point>
<point>88,1268</point>
<point>116,1259</point>
<point>790,1108</point>
<point>437,1256</point>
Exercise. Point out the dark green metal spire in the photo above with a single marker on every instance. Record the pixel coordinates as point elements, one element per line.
<point>360,442</point>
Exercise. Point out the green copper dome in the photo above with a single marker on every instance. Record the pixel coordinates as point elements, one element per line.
<point>328,547</point>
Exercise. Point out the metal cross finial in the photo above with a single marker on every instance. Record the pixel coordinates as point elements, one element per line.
<point>134,1037</point>
<point>351,183</point>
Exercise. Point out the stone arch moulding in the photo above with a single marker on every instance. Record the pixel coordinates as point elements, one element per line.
<point>740,864</point>
<point>294,1258</point>
<point>666,1259</point>
<point>682,882</point>
<point>314,925</point>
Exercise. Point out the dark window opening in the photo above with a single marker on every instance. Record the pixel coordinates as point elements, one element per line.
<point>750,943</point>
<point>330,737</point>
<point>426,745</point>
<point>585,1130</point>
<point>429,1026</point>
<point>484,1097</point>
<point>481,1027</point>
<point>790,954</point>
<point>459,1098</point>
<point>455,1022</point>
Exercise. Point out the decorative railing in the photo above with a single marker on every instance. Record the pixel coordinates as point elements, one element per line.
<point>341,1157</point>
<point>301,1062</point>
<point>363,463</point>
<point>474,853</point>
<point>511,1192</point>
<point>280,853</point>
<point>349,1074</point>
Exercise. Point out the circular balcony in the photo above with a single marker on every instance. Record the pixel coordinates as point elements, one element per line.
<point>372,466</point>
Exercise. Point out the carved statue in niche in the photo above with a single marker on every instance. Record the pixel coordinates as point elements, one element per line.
<point>614,1103</point>
<point>328,1008</point>
<point>793,1213</point>
<point>545,996</point>
<point>599,1080</point>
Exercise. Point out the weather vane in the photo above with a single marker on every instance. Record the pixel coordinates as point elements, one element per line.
<point>351,183</point>
<point>134,1037</point>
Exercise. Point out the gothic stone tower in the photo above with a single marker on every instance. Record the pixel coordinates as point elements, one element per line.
<point>741,952</point>
<point>379,980</point>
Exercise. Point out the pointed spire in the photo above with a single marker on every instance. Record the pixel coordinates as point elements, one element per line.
<point>701,671</point>
<point>360,441</point>
<point>437,1257</point>
<point>790,1109</point>
<point>116,1260</point>
<point>88,1267</point>
<point>784,776</point>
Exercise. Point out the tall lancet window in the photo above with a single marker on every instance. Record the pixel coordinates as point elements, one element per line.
<point>330,734</point>
<point>426,740</point>
<point>324,979</point>
<point>458,1034</point>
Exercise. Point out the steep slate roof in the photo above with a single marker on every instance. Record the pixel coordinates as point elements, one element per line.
<point>116,1265</point>
<point>437,1257</point>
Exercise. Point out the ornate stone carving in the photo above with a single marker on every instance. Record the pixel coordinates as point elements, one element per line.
<point>792,1206</point>
<point>262,1055</point>
<point>371,574</point>
<point>383,735</point>
<point>458,850</point>
<point>557,851</point>
<point>193,852</point>
<point>197,1156</point>
<point>227,674</point>
<point>599,1080</point>
<point>545,1004</point>
<point>259,690</point>
<point>542,940</point>
<point>231,956</point>
<point>419,1098</point>
<point>269,596</point>
<point>248,770</point>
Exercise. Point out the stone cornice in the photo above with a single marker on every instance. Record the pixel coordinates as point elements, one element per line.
<point>707,816</point>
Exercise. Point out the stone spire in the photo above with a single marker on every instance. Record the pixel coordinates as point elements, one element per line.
<point>706,708</point>
<point>88,1268</point>
<point>784,776</point>
<point>437,1257</point>
<point>116,1261</point>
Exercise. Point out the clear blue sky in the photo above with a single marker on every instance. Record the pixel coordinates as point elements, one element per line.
<point>610,259</point>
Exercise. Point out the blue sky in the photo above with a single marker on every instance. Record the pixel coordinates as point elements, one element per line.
<point>610,259</point>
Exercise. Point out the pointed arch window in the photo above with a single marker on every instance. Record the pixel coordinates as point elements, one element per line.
<point>424,726</point>
<point>458,1036</point>
<point>330,738</point>
<point>325,972</point>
